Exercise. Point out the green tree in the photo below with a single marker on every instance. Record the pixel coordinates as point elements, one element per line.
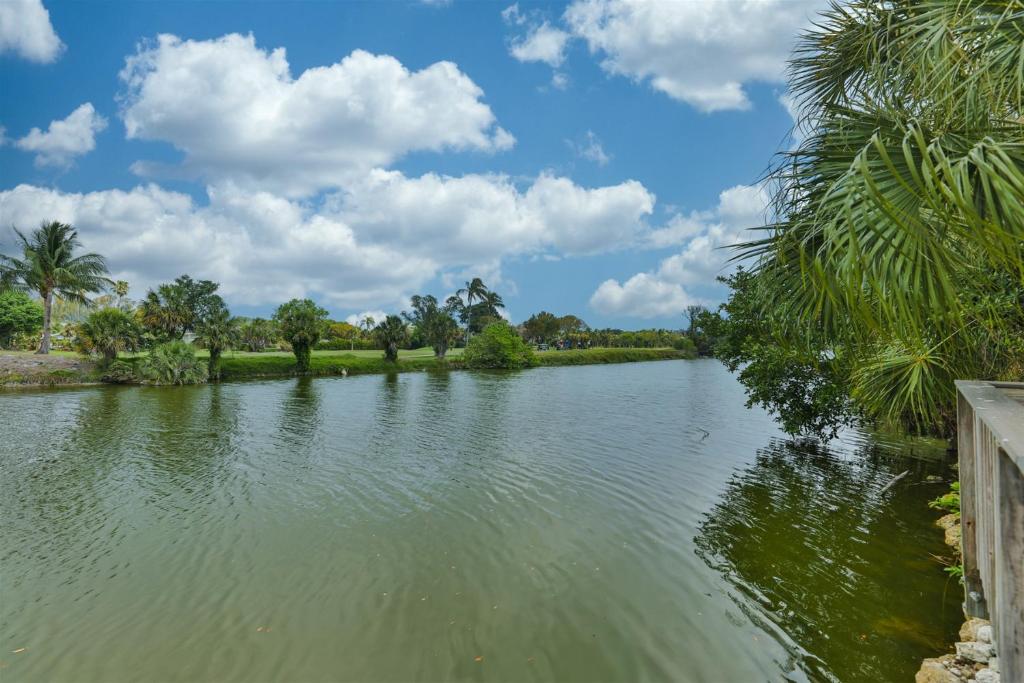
<point>542,327</point>
<point>49,267</point>
<point>175,309</point>
<point>19,314</point>
<point>474,290</point>
<point>301,323</point>
<point>173,363</point>
<point>217,332</point>
<point>343,331</point>
<point>498,346</point>
<point>391,333</point>
<point>257,334</point>
<point>900,215</point>
<point>434,322</point>
<point>108,331</point>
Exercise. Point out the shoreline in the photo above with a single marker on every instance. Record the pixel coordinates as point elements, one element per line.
<point>239,368</point>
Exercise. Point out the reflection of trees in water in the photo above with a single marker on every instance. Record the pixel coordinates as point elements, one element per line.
<point>811,546</point>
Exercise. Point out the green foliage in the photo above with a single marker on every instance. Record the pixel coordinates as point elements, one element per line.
<point>107,332</point>
<point>498,346</point>
<point>49,267</point>
<point>217,332</point>
<point>172,363</point>
<point>949,502</point>
<point>174,309</point>
<point>19,314</point>
<point>956,571</point>
<point>301,323</point>
<point>257,334</point>
<point>434,323</point>
<point>118,372</point>
<point>390,334</point>
<point>603,356</point>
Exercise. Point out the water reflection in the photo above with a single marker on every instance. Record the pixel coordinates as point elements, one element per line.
<point>812,546</point>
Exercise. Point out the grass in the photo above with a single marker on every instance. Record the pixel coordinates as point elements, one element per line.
<point>244,364</point>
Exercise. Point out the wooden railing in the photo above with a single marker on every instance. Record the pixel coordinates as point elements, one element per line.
<point>990,426</point>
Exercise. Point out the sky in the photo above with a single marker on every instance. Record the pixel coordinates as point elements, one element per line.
<point>595,157</point>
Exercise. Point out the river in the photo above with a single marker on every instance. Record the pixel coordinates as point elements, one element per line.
<point>599,523</point>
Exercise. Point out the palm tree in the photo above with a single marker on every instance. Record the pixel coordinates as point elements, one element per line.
<point>109,331</point>
<point>49,267</point>
<point>474,290</point>
<point>217,332</point>
<point>492,302</point>
<point>900,216</point>
<point>391,333</point>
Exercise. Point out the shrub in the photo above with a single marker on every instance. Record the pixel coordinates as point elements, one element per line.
<point>498,346</point>
<point>173,363</point>
<point>118,372</point>
<point>19,314</point>
<point>107,332</point>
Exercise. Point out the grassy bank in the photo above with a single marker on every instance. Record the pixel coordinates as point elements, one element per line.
<point>66,368</point>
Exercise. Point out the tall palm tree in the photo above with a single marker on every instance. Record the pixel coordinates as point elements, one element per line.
<point>217,332</point>
<point>475,290</point>
<point>49,267</point>
<point>900,216</point>
<point>493,301</point>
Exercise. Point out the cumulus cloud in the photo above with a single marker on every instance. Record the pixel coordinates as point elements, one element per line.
<point>542,43</point>
<point>663,292</point>
<point>357,318</point>
<point>591,149</point>
<point>25,30</point>
<point>702,53</point>
<point>370,246</point>
<point>238,114</point>
<point>65,139</point>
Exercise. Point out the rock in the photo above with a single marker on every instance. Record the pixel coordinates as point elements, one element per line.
<point>933,671</point>
<point>969,631</point>
<point>974,652</point>
<point>947,521</point>
<point>987,676</point>
<point>953,536</point>
<point>994,664</point>
<point>984,634</point>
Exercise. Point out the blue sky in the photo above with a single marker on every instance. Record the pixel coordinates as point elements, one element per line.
<point>585,158</point>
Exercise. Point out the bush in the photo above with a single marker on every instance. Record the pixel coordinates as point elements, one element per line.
<point>118,372</point>
<point>19,315</point>
<point>498,346</point>
<point>173,363</point>
<point>347,345</point>
<point>107,332</point>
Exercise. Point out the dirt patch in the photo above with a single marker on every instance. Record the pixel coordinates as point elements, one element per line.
<point>28,368</point>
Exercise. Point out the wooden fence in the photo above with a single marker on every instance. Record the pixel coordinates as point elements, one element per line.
<point>990,426</point>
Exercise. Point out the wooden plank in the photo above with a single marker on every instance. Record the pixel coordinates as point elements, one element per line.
<point>974,603</point>
<point>1008,624</point>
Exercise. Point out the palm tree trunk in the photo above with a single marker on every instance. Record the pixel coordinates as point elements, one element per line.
<point>44,345</point>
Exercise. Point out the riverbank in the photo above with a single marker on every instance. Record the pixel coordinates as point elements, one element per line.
<point>24,369</point>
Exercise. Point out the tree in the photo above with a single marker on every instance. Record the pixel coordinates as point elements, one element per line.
<point>173,363</point>
<point>899,217</point>
<point>19,314</point>
<point>302,323</point>
<point>498,346</point>
<point>256,334</point>
<point>49,267</point>
<point>175,309</point>
<point>692,315</point>
<point>474,290</point>
<point>217,332</point>
<point>434,322</point>
<point>542,327</point>
<point>344,331</point>
<point>107,332</point>
<point>391,333</point>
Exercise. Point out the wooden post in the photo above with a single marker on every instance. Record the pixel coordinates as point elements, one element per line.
<point>1009,610</point>
<point>974,594</point>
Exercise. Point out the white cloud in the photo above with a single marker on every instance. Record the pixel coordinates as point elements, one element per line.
<point>663,291</point>
<point>702,53</point>
<point>559,81</point>
<point>370,246</point>
<point>357,318</point>
<point>591,149</point>
<point>25,29</point>
<point>65,139</point>
<point>238,114</point>
<point>542,43</point>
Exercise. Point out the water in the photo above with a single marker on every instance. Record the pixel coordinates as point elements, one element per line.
<point>626,523</point>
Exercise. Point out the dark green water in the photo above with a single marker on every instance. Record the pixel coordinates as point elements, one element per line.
<point>570,524</point>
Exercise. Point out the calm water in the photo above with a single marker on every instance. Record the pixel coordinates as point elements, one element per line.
<point>630,522</point>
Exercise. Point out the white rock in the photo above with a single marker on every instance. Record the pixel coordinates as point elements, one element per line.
<point>993,664</point>
<point>985,633</point>
<point>986,676</point>
<point>974,652</point>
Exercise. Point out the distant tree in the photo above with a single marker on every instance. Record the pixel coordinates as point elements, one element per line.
<point>302,323</point>
<point>692,315</point>
<point>391,333</point>
<point>174,309</point>
<point>498,346</point>
<point>434,322</point>
<point>217,332</point>
<point>19,314</point>
<point>107,332</point>
<point>49,267</point>
<point>256,334</point>
<point>474,290</point>
<point>344,331</point>
<point>542,327</point>
<point>571,325</point>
